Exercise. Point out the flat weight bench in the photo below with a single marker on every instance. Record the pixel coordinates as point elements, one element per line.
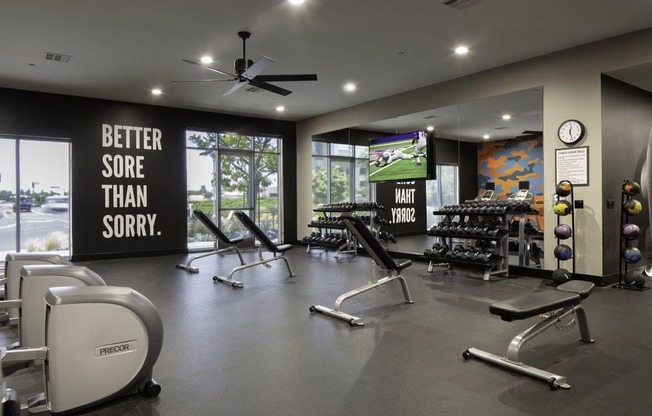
<point>380,257</point>
<point>556,305</point>
<point>229,243</point>
<point>276,249</point>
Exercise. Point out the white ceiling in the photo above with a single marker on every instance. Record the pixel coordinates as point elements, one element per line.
<point>470,121</point>
<point>121,49</point>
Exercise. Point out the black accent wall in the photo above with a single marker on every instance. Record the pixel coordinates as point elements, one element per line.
<point>96,129</point>
<point>626,153</point>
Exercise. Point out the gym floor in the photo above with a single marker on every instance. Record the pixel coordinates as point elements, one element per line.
<point>259,351</point>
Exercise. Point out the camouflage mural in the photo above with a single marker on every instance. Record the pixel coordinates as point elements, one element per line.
<point>508,162</point>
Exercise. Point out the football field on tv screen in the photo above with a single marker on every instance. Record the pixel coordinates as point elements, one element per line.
<point>399,169</point>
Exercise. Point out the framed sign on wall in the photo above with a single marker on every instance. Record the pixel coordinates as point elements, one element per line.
<point>572,165</point>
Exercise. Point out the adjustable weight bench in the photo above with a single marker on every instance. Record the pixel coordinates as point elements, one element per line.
<point>275,249</point>
<point>380,257</point>
<point>220,237</point>
<point>554,305</point>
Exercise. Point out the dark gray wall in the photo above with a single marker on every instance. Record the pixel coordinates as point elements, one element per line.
<point>626,145</point>
<point>81,119</point>
<point>465,156</point>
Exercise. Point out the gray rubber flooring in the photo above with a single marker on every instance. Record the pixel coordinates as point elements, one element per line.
<point>259,351</point>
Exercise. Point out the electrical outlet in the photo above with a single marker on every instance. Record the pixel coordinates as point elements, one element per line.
<point>579,203</point>
<point>611,204</point>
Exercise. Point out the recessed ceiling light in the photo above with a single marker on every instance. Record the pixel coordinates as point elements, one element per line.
<point>486,136</point>
<point>280,109</point>
<point>462,50</point>
<point>350,87</point>
<point>157,91</point>
<point>507,117</point>
<point>206,60</point>
<point>430,128</point>
<point>297,2</point>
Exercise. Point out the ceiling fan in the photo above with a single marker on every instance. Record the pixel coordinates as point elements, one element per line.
<point>248,72</point>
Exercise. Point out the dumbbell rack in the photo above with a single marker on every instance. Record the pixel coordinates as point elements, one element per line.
<point>572,237</point>
<point>624,243</point>
<point>347,244</point>
<point>465,214</point>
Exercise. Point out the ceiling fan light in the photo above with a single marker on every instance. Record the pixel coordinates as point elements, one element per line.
<point>462,50</point>
<point>206,59</point>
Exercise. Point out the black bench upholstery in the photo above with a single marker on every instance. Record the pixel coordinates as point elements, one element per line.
<point>534,304</point>
<point>364,236</point>
<point>260,235</point>
<point>568,294</point>
<point>208,223</point>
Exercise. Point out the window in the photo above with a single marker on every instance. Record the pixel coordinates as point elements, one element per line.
<point>340,172</point>
<point>228,172</point>
<point>34,192</point>
<point>441,192</point>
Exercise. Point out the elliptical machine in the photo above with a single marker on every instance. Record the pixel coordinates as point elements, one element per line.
<point>101,343</point>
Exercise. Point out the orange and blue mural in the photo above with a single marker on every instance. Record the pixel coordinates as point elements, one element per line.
<point>508,162</point>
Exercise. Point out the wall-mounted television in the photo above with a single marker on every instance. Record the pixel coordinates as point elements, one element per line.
<point>402,157</point>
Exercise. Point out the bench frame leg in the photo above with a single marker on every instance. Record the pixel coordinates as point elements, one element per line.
<point>336,311</point>
<point>261,260</point>
<point>511,361</point>
<point>220,252</point>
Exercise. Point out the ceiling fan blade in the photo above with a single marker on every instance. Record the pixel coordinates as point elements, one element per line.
<point>235,88</point>
<point>269,87</point>
<point>209,68</point>
<point>280,78</point>
<point>200,80</point>
<point>259,66</point>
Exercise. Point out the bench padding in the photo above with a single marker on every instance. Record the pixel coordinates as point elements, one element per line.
<point>217,233</point>
<point>534,304</point>
<point>580,287</point>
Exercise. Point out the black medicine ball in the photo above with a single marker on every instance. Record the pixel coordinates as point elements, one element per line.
<point>563,188</point>
<point>560,276</point>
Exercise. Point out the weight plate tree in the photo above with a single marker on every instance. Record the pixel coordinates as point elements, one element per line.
<point>629,233</point>
<point>563,206</point>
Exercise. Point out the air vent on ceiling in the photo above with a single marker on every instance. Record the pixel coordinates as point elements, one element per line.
<point>431,116</point>
<point>502,128</point>
<point>58,57</point>
<point>461,4</point>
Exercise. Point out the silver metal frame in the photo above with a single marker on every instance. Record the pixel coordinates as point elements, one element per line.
<point>261,260</point>
<point>336,311</point>
<point>219,251</point>
<point>511,361</point>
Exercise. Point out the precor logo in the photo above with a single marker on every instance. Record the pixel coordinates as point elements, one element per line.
<point>120,347</point>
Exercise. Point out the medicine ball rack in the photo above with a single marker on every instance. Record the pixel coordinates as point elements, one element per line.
<point>572,218</point>
<point>471,225</point>
<point>343,242</point>
<point>624,244</point>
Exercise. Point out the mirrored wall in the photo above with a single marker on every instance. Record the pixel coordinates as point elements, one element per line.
<point>494,144</point>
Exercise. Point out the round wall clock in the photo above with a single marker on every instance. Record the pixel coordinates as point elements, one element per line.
<point>571,131</point>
